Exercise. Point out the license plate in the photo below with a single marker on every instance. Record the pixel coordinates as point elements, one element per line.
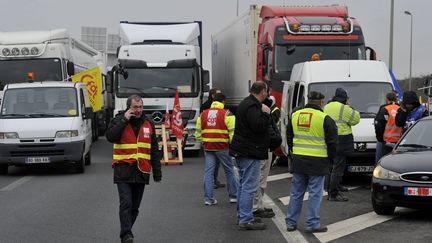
<point>37,160</point>
<point>360,168</point>
<point>418,191</point>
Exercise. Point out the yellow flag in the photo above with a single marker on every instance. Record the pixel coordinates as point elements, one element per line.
<point>92,78</point>
<point>420,100</point>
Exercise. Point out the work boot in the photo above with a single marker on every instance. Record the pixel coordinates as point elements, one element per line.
<point>127,239</point>
<point>263,213</point>
<point>337,198</point>
<point>318,230</point>
<point>253,225</point>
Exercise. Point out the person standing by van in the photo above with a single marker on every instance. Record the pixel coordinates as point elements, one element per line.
<point>345,117</point>
<point>410,110</point>
<point>386,130</point>
<point>135,154</point>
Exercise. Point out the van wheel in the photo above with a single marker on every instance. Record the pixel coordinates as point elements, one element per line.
<point>80,165</point>
<point>88,158</point>
<point>4,169</point>
<point>382,210</point>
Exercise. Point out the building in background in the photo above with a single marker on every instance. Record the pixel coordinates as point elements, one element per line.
<point>99,39</point>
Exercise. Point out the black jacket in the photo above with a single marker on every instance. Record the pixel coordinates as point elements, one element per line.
<point>206,105</point>
<point>251,136</point>
<point>315,165</point>
<point>129,173</point>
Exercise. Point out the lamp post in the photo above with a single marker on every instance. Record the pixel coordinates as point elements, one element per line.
<point>411,37</point>
<point>391,35</point>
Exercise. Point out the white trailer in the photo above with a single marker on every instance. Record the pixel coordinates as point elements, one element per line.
<point>155,60</point>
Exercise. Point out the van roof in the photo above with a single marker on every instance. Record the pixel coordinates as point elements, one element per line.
<point>341,71</point>
<point>41,84</point>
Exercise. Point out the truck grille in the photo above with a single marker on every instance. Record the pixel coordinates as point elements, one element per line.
<point>35,150</point>
<point>158,116</point>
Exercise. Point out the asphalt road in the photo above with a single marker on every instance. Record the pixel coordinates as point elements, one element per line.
<point>53,204</point>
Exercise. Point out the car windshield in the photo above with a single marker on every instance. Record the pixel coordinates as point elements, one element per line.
<point>365,97</point>
<point>418,137</point>
<point>158,82</point>
<point>15,71</point>
<point>39,102</point>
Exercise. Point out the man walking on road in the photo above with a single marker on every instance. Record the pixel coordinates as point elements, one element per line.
<point>312,139</point>
<point>250,145</point>
<point>345,117</point>
<point>215,127</point>
<point>135,154</point>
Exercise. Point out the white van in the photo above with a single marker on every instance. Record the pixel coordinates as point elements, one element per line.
<point>45,122</point>
<point>367,83</point>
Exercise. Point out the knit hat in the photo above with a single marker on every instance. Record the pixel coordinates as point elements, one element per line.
<point>341,93</point>
<point>410,97</point>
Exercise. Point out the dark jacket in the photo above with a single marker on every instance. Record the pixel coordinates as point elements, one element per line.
<point>315,165</point>
<point>251,136</point>
<point>206,105</point>
<point>129,173</point>
<point>380,122</point>
<point>409,97</point>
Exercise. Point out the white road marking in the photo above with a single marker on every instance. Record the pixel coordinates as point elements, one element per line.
<point>352,225</point>
<point>16,184</point>
<point>279,177</point>
<point>285,200</point>
<point>279,221</point>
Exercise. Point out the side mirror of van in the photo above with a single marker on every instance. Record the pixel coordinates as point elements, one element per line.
<point>88,113</point>
<point>70,68</point>
<point>372,53</point>
<point>206,80</point>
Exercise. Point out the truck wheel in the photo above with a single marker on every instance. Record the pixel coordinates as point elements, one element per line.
<point>4,169</point>
<point>80,165</point>
<point>88,158</point>
<point>382,210</point>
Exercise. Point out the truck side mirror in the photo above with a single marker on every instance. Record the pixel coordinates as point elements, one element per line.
<point>206,80</point>
<point>372,53</point>
<point>88,113</point>
<point>70,68</point>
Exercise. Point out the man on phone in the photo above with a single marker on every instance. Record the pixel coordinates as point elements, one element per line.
<point>135,154</point>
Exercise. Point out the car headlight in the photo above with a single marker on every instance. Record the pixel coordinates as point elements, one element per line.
<point>382,173</point>
<point>66,134</point>
<point>8,135</point>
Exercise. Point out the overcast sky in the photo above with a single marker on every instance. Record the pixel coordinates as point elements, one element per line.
<point>373,16</point>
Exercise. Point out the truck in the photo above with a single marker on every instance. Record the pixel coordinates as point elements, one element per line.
<point>155,60</point>
<point>48,55</point>
<point>266,41</point>
<point>45,123</point>
<point>367,82</point>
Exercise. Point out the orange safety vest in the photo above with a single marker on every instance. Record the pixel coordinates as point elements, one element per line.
<point>392,133</point>
<point>215,135</point>
<point>131,149</point>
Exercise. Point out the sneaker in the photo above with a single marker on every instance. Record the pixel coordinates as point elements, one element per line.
<point>218,184</point>
<point>253,225</point>
<point>337,198</point>
<point>262,213</point>
<point>233,200</point>
<point>318,230</point>
<point>211,202</point>
<point>127,239</point>
<point>291,228</point>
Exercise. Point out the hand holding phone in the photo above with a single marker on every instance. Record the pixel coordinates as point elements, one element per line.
<point>129,113</point>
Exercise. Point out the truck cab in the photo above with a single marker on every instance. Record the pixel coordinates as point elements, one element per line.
<point>45,123</point>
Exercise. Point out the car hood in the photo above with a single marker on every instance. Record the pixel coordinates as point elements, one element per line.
<point>408,161</point>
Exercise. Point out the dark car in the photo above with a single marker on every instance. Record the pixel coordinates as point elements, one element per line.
<point>404,177</point>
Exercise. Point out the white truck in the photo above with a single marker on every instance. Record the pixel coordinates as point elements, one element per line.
<point>155,60</point>
<point>45,123</point>
<point>47,55</point>
<point>367,83</point>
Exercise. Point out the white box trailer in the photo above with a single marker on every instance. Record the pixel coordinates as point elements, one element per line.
<point>367,83</point>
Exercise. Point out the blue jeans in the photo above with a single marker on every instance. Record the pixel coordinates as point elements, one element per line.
<point>249,171</point>
<point>381,150</point>
<point>211,159</point>
<point>299,183</point>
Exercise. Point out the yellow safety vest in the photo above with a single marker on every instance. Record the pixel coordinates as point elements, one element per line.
<point>343,115</point>
<point>309,135</point>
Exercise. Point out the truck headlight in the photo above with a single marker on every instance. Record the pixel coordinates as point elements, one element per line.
<point>66,134</point>
<point>382,173</point>
<point>8,135</point>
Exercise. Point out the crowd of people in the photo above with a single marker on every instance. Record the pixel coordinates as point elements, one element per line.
<point>319,138</point>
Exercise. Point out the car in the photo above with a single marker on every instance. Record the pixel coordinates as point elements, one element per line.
<point>403,178</point>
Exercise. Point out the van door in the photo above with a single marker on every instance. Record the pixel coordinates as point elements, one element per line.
<point>285,112</point>
<point>86,126</point>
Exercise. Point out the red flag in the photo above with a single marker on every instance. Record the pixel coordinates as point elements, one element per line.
<point>167,119</point>
<point>177,121</point>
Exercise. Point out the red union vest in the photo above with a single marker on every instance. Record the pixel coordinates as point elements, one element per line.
<point>392,133</point>
<point>131,149</point>
<point>215,134</point>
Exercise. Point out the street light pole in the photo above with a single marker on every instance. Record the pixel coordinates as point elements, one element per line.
<point>391,35</point>
<point>411,38</point>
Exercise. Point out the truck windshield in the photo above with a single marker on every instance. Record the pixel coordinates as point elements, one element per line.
<point>288,55</point>
<point>158,82</point>
<point>39,102</point>
<point>365,97</point>
<point>15,71</point>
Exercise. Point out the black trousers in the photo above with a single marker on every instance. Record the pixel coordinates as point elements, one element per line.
<point>130,195</point>
<point>335,177</point>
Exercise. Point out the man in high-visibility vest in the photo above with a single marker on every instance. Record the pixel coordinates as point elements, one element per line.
<point>215,128</point>
<point>386,130</point>
<point>312,139</point>
<point>345,117</point>
<point>135,154</point>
